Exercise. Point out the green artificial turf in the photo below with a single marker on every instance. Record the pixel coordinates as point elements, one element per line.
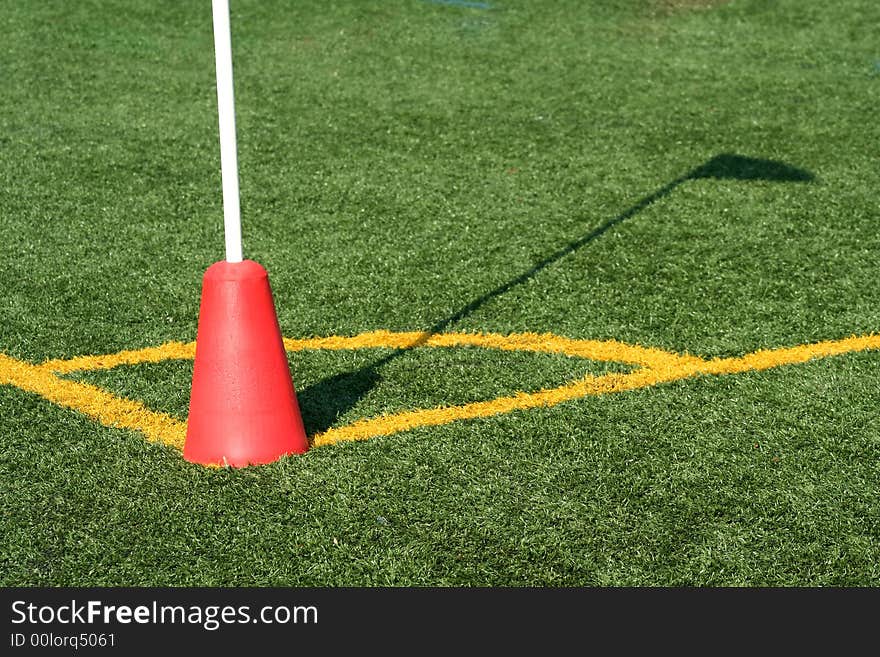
<point>695,176</point>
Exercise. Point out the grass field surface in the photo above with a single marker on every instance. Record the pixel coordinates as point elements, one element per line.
<point>574,293</point>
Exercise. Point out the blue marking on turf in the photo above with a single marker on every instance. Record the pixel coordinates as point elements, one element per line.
<point>462,3</point>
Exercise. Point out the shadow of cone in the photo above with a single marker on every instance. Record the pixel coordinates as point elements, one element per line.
<point>243,407</point>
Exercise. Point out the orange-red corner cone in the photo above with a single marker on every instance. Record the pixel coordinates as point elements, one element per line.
<point>243,408</point>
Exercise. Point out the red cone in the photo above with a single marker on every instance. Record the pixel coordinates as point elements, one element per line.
<point>243,408</point>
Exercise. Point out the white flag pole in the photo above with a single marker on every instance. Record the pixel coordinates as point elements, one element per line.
<point>226,112</point>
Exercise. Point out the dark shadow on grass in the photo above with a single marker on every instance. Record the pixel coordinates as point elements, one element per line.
<point>322,403</point>
<point>728,166</point>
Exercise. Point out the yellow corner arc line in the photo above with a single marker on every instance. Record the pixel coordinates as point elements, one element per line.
<point>95,402</point>
<point>664,370</point>
<point>600,350</point>
<point>657,367</point>
<point>167,351</point>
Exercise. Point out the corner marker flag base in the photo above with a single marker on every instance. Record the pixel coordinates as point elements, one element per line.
<point>243,408</point>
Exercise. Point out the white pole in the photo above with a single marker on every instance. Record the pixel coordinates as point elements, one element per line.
<point>226,112</point>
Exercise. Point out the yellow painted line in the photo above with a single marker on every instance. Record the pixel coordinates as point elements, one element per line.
<point>605,350</point>
<point>389,424</point>
<point>98,404</point>
<point>167,351</point>
<point>766,358</point>
<point>657,367</point>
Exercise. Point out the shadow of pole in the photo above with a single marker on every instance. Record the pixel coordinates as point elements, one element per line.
<point>323,402</point>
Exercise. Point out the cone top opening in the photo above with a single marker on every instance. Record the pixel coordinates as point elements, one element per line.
<point>235,271</point>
